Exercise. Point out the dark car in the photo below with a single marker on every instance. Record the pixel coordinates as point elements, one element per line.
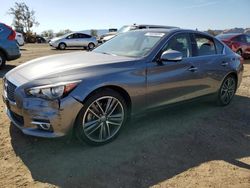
<point>95,92</point>
<point>9,49</point>
<point>239,43</point>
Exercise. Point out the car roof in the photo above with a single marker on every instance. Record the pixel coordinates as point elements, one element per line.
<point>229,35</point>
<point>172,31</point>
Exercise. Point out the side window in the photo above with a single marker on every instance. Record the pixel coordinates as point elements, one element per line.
<point>205,45</point>
<point>86,36</point>
<point>219,47</point>
<point>181,43</point>
<point>70,36</point>
<point>248,39</point>
<point>239,38</point>
<point>76,36</point>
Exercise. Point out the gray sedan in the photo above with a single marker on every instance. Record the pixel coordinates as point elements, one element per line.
<point>77,39</point>
<point>95,92</point>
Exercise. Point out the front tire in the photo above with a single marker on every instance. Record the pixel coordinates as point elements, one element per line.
<point>62,46</point>
<point>101,118</point>
<point>2,60</point>
<point>227,90</point>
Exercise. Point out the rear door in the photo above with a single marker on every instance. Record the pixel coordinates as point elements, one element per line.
<point>212,63</point>
<point>84,39</point>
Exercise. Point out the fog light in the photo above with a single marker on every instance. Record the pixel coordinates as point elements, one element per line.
<point>43,125</point>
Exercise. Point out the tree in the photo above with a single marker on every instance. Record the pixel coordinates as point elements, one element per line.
<point>48,33</point>
<point>93,32</point>
<point>211,32</point>
<point>24,18</point>
<point>63,32</point>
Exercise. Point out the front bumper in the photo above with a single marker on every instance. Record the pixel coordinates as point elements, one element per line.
<point>59,114</point>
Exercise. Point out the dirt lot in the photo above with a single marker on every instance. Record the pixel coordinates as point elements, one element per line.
<point>194,145</point>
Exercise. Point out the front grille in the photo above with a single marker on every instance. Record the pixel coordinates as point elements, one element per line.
<point>17,118</point>
<point>10,91</point>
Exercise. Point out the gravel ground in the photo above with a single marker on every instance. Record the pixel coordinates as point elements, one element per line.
<point>193,145</point>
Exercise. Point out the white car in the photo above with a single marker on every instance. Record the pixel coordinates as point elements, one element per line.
<point>76,39</point>
<point>19,39</point>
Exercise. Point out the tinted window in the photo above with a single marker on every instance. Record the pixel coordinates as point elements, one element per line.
<point>219,47</point>
<point>181,43</point>
<point>240,38</point>
<point>248,39</point>
<point>86,36</point>
<point>225,36</point>
<point>204,44</point>
<point>70,36</point>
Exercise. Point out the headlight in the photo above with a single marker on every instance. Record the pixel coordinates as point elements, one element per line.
<point>53,91</point>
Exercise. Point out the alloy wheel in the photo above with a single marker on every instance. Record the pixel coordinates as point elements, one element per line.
<point>227,90</point>
<point>103,119</point>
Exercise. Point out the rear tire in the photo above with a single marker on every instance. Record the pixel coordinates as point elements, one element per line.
<point>91,46</point>
<point>227,91</point>
<point>101,118</point>
<point>2,60</point>
<point>62,46</point>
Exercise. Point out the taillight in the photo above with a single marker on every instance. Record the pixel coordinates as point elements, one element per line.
<point>12,35</point>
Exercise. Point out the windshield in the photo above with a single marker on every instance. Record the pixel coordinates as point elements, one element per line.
<point>125,28</point>
<point>131,44</point>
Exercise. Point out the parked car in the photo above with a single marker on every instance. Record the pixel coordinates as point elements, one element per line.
<point>77,39</point>
<point>40,39</point>
<point>19,38</point>
<point>95,92</point>
<point>9,49</point>
<point>127,28</point>
<point>239,43</point>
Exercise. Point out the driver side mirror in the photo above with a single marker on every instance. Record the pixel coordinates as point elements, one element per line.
<point>171,55</point>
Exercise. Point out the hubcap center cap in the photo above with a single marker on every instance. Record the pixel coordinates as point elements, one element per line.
<point>103,118</point>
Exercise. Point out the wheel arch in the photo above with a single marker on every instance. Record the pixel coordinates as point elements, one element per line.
<point>116,88</point>
<point>4,52</point>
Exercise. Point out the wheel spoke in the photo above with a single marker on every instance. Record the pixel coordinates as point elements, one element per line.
<point>108,105</point>
<point>108,129</point>
<point>98,104</point>
<point>113,109</point>
<point>96,127</point>
<point>113,123</point>
<point>101,133</point>
<point>94,113</point>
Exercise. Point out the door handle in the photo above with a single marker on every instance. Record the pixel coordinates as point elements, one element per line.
<point>193,69</point>
<point>224,64</point>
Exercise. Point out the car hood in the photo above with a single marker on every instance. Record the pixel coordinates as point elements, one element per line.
<point>55,39</point>
<point>56,64</point>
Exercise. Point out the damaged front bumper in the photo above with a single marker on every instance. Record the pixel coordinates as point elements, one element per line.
<point>41,117</point>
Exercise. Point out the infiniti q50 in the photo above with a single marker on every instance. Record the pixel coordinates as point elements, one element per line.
<point>95,92</point>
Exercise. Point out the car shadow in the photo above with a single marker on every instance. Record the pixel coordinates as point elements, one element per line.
<point>150,149</point>
<point>6,69</point>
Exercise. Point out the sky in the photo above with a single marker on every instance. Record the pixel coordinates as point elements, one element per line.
<point>79,15</point>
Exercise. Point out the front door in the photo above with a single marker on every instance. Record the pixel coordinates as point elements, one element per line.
<point>173,81</point>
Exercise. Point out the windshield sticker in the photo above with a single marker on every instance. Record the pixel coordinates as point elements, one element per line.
<point>155,34</point>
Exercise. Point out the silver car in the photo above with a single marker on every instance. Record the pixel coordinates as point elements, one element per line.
<point>77,39</point>
<point>95,92</point>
